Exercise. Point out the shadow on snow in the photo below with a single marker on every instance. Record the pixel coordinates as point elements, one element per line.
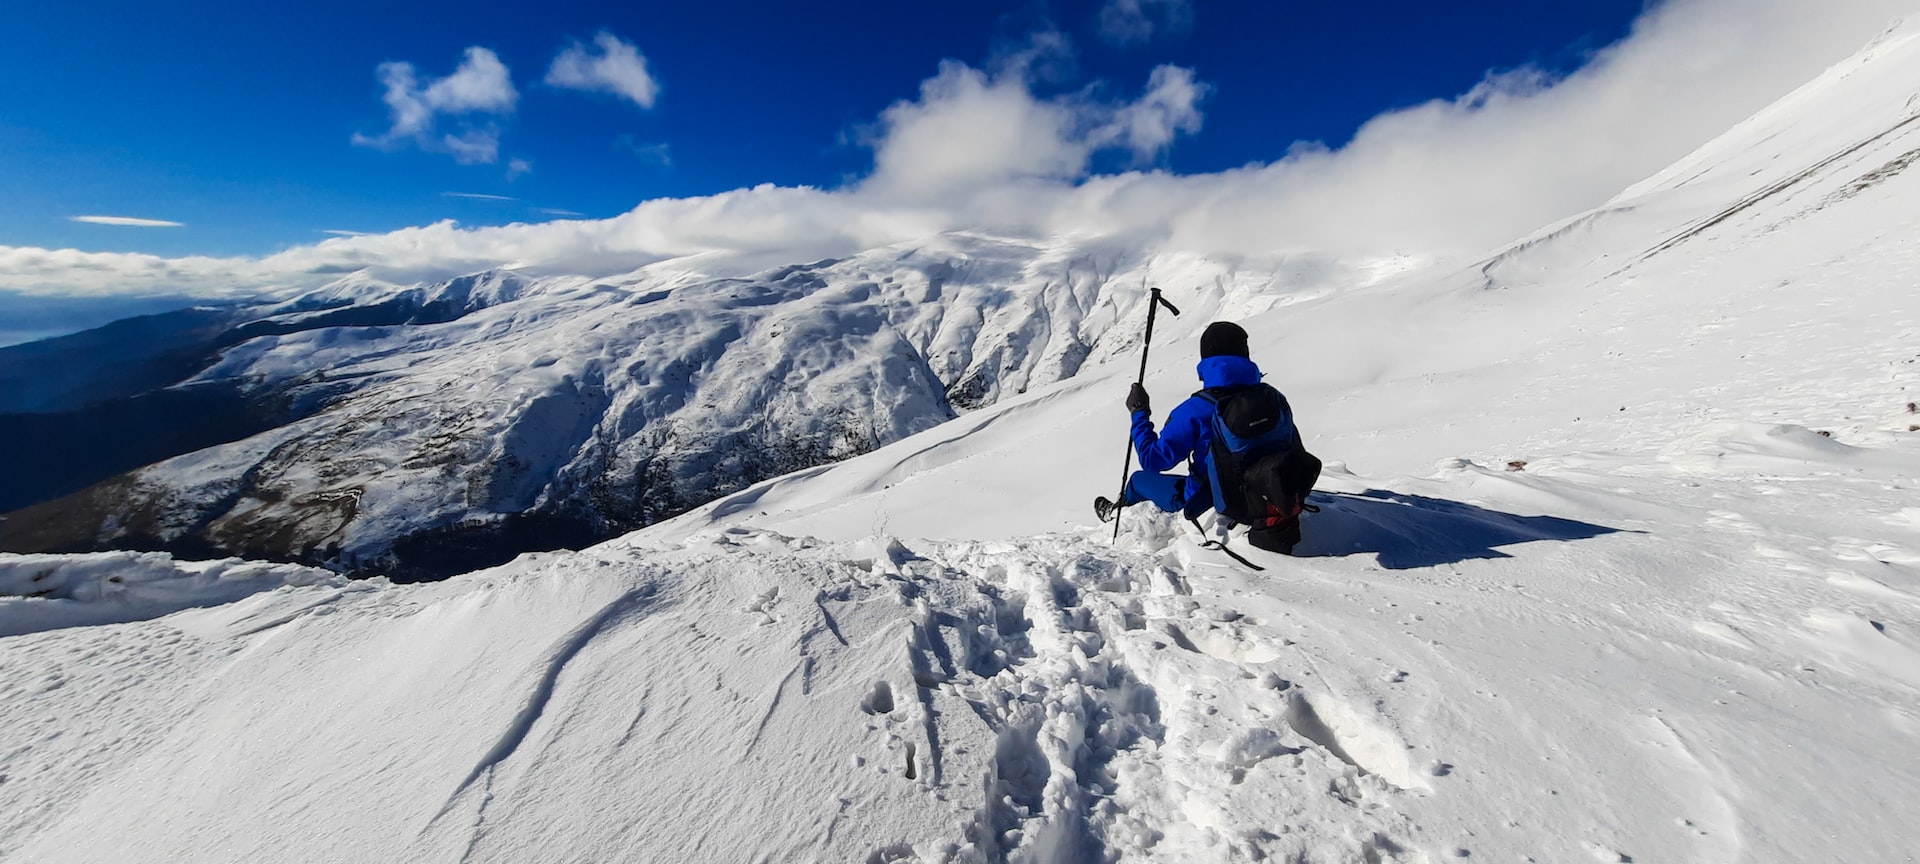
<point>1409,531</point>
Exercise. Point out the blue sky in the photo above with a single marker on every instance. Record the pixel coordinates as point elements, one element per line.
<point>239,120</point>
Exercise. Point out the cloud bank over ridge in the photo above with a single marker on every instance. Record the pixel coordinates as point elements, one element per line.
<point>980,150</point>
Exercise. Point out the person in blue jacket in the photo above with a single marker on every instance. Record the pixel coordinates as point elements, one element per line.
<point>1188,435</point>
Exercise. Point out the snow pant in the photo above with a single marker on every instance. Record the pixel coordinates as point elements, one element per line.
<point>1168,492</point>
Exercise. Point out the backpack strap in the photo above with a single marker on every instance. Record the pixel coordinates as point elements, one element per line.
<point>1222,546</point>
<point>1212,396</point>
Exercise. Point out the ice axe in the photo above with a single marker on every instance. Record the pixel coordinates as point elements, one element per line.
<point>1126,468</point>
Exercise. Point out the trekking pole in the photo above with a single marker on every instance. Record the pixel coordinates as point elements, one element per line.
<point>1126,468</point>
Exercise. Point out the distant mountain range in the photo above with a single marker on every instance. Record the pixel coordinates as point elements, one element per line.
<point>427,430</point>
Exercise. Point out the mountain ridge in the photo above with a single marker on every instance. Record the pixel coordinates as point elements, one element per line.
<point>610,404</point>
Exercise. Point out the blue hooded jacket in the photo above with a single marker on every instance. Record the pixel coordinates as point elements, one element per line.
<point>1189,429</point>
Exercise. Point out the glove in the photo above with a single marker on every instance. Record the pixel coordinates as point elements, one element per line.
<point>1137,399</point>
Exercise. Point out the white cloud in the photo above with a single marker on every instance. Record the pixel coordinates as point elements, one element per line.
<point>1043,56</point>
<point>477,146</point>
<point>342,232</point>
<point>1522,150</point>
<point>518,168</point>
<point>617,68</point>
<point>969,129</point>
<point>71,272</point>
<point>479,196</point>
<point>1169,107</point>
<point>480,85</point>
<point>1129,22</point>
<point>980,150</point>
<point>656,152</point>
<point>128,221</point>
<point>555,211</point>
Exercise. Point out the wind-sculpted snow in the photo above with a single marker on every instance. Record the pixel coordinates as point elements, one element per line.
<point>46,592</point>
<point>430,430</point>
<point>1037,701</point>
<point>1640,676</point>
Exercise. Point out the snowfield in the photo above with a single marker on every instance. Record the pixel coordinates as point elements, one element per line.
<point>1618,560</point>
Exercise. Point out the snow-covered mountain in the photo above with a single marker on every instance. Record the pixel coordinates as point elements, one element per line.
<point>429,430</point>
<point>1618,560</point>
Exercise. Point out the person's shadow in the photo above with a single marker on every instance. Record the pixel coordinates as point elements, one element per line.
<point>1408,531</point>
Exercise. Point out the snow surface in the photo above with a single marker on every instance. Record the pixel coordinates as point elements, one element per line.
<point>47,592</point>
<point>1619,560</point>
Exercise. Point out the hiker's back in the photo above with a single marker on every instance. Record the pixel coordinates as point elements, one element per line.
<point>1258,469</point>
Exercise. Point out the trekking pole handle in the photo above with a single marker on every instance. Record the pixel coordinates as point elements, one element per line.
<point>1153,308</point>
<point>1146,343</point>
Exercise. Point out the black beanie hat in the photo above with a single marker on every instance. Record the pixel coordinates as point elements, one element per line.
<point>1223,339</point>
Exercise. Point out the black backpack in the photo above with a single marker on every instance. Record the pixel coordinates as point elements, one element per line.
<point>1258,469</point>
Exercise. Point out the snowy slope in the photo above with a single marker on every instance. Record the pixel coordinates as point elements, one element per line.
<point>1768,279</point>
<point>1590,584</point>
